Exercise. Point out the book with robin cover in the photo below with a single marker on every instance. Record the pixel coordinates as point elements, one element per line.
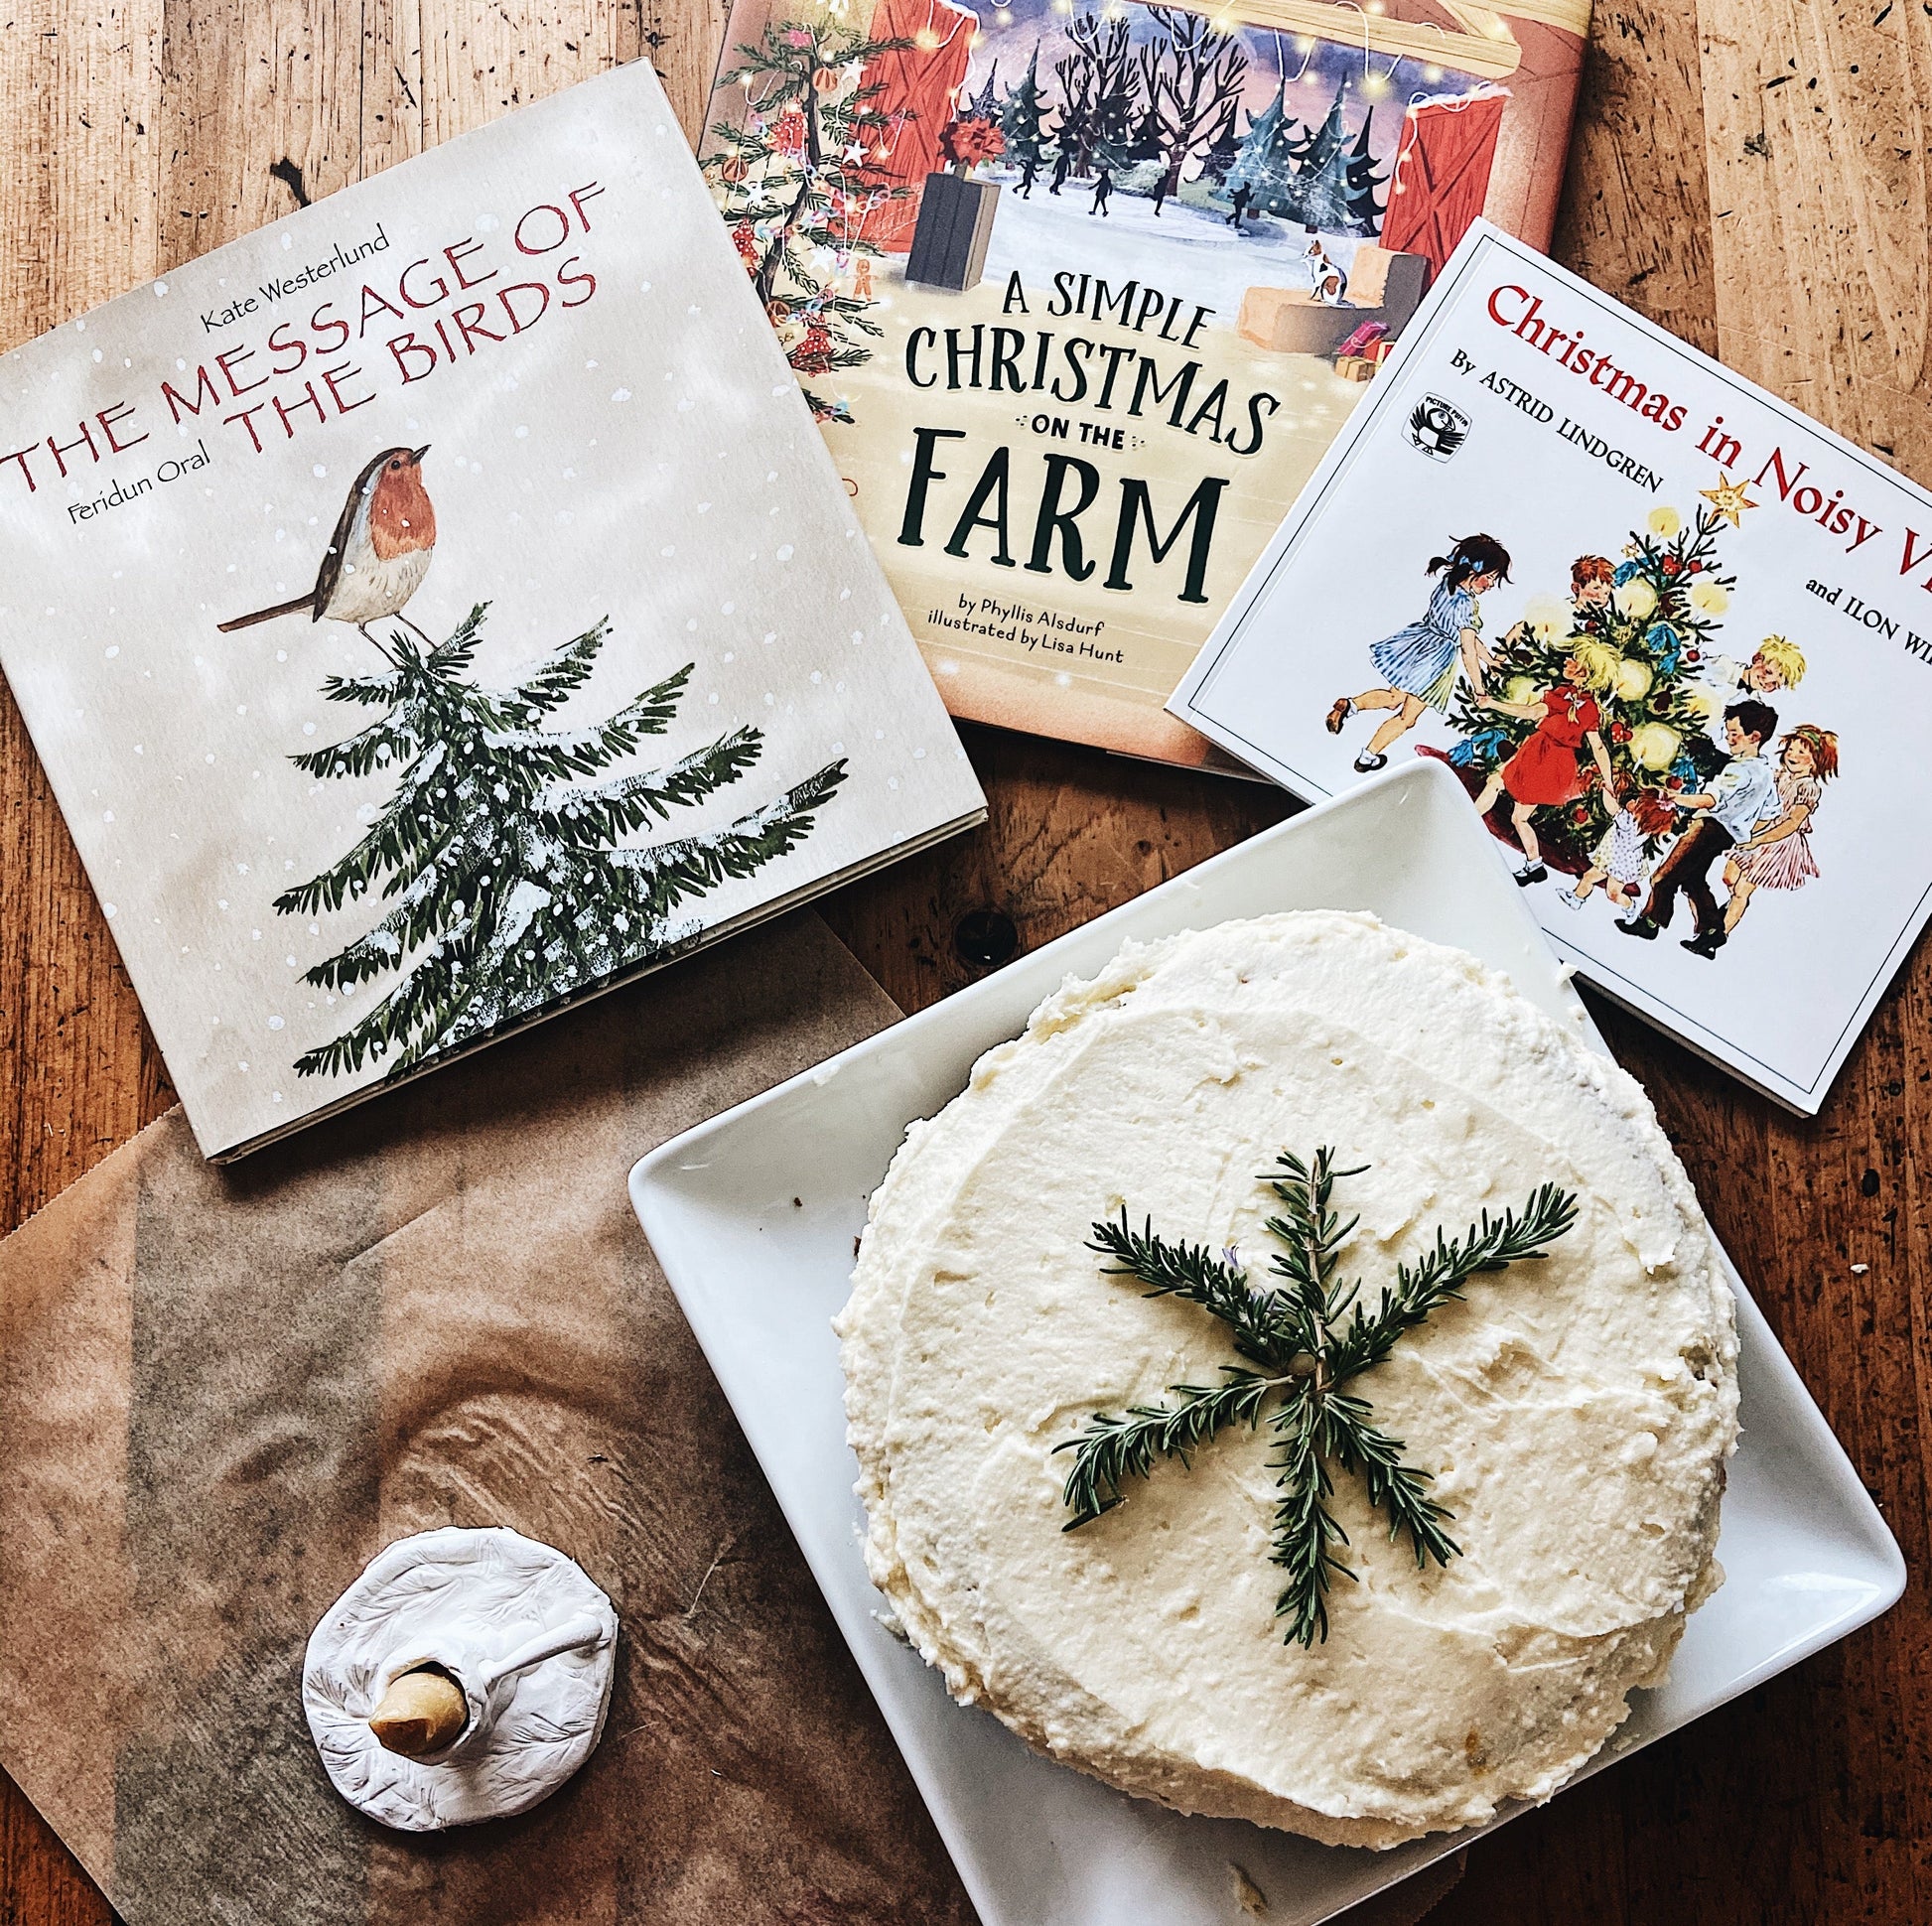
<point>1661,625</point>
<point>1079,292</point>
<point>438,607</point>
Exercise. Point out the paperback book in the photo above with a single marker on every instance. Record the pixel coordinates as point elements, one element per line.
<point>439,607</point>
<point>1663,626</point>
<point>1079,293</point>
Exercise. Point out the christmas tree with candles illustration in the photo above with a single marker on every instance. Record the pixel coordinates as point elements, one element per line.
<point>1642,640</point>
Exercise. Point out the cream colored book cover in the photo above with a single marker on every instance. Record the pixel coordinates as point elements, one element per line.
<point>439,607</point>
<point>1080,291</point>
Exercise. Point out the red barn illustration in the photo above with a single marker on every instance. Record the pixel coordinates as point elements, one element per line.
<point>919,87</point>
<point>1441,178</point>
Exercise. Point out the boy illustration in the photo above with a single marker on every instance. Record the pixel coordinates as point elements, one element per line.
<point>1743,794</point>
<point>1776,666</point>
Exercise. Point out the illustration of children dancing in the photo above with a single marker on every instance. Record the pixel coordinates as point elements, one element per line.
<point>1778,855</point>
<point>1420,663</point>
<point>1548,770</point>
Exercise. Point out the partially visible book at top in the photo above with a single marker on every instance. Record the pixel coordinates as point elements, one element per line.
<point>438,607</point>
<point>1080,293</point>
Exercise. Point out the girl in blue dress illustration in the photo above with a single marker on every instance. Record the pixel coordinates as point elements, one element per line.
<point>1419,664</point>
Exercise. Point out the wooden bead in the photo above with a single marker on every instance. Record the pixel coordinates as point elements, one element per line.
<point>420,1714</point>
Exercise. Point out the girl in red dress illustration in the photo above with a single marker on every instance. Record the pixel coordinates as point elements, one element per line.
<point>1548,770</point>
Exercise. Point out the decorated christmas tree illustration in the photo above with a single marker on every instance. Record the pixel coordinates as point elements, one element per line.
<point>1319,193</point>
<point>1361,182</point>
<point>1665,600</point>
<point>512,881</point>
<point>796,183</point>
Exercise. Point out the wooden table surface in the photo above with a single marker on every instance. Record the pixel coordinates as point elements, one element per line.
<point>1752,173</point>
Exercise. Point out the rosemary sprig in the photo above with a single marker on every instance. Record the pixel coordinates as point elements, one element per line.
<point>1189,1271</point>
<point>1116,1449</point>
<point>1310,1335</point>
<point>1491,1244</point>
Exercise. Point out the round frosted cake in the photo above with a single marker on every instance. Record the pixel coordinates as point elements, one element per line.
<point>1563,1422</point>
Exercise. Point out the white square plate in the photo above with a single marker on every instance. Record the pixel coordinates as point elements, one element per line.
<point>754,1217</point>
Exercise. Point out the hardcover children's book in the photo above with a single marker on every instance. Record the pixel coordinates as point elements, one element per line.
<point>1080,290</point>
<point>439,607</point>
<point>1663,626</point>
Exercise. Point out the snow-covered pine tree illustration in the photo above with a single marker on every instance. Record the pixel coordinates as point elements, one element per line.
<point>512,880</point>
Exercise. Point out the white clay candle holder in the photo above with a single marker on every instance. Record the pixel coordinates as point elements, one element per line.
<point>526,1638</point>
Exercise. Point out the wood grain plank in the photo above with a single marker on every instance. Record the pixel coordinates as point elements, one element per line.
<point>1816,129</point>
<point>1750,172</point>
<point>80,161</point>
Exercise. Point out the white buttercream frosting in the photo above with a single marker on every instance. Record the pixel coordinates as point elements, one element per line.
<point>1575,1414</point>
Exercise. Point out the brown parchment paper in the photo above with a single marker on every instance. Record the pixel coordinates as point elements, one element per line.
<point>222,1391</point>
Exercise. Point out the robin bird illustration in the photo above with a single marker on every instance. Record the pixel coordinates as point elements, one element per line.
<point>379,555</point>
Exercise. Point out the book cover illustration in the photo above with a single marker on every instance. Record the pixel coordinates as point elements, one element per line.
<point>1662,626</point>
<point>439,607</point>
<point>1080,293</point>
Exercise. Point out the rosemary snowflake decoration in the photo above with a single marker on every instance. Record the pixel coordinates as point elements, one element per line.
<point>1307,1337</point>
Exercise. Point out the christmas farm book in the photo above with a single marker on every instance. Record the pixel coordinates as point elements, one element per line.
<point>438,607</point>
<point>1080,290</point>
<point>1664,629</point>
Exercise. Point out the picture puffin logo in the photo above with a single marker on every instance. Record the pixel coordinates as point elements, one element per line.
<point>1437,426</point>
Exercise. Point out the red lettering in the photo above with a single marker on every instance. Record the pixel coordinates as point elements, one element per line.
<point>586,280</point>
<point>550,247</point>
<point>62,449</point>
<point>374,303</point>
<point>460,253</point>
<point>402,346</point>
<point>517,322</point>
<point>107,417</point>
<point>246,417</point>
<point>1785,482</point>
<point>469,323</point>
<point>578,195</point>
<point>332,377</point>
<point>1496,313</point>
<point>285,410</point>
<point>205,395</point>
<point>402,287</point>
<point>238,388</point>
<point>322,327</point>
<point>293,345</point>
